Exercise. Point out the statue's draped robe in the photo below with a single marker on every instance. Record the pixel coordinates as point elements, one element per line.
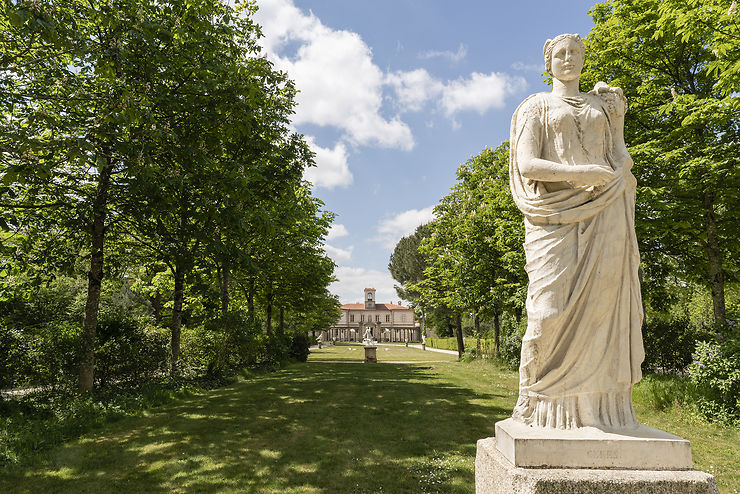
<point>582,350</point>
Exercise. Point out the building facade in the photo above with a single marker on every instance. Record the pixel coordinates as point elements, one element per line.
<point>387,322</point>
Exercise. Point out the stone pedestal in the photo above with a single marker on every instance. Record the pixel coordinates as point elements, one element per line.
<point>424,346</point>
<point>528,460</point>
<point>642,448</point>
<point>370,354</point>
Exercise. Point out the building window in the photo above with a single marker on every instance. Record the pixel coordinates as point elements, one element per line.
<point>352,318</point>
<point>369,296</point>
<point>387,318</point>
<point>377,318</point>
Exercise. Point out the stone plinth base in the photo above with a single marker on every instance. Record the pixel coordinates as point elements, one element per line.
<point>370,354</point>
<point>494,474</point>
<point>641,448</point>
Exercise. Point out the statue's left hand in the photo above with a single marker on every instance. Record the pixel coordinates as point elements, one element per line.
<point>613,97</point>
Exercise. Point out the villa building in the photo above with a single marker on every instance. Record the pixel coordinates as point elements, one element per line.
<point>387,322</point>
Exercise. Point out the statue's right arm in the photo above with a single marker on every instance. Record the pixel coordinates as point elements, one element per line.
<point>533,167</point>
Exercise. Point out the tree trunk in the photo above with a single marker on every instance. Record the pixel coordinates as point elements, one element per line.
<point>224,285</point>
<point>268,311</point>
<point>458,332</point>
<point>716,276</point>
<point>497,329</point>
<point>476,324</point>
<point>518,314</point>
<point>250,297</point>
<point>178,298</point>
<point>424,322</point>
<point>156,302</point>
<point>281,326</point>
<point>94,280</point>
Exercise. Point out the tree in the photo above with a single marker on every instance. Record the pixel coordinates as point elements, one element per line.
<point>674,61</point>
<point>407,267</point>
<point>407,264</point>
<point>473,252</point>
<point>73,119</point>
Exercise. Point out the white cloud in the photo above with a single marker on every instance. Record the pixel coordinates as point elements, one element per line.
<point>352,281</point>
<point>331,168</point>
<point>339,256</point>
<point>390,230</point>
<point>339,84</point>
<point>336,230</point>
<point>480,92</point>
<point>454,56</point>
<point>414,88</point>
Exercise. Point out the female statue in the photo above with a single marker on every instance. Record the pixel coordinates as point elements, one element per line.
<point>570,176</point>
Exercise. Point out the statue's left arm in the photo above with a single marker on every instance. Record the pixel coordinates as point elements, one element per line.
<point>616,106</point>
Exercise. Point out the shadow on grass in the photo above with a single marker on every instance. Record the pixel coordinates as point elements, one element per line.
<point>315,427</point>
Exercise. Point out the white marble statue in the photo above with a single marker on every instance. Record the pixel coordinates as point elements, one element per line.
<point>570,176</point>
<point>368,336</point>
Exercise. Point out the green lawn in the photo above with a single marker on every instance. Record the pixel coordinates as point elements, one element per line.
<point>320,427</point>
<point>385,353</point>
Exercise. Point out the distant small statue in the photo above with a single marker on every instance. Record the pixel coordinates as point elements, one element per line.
<point>368,337</point>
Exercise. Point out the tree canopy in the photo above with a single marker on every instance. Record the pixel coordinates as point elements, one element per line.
<point>152,138</point>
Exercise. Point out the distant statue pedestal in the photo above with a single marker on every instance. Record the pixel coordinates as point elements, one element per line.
<point>424,346</point>
<point>370,353</point>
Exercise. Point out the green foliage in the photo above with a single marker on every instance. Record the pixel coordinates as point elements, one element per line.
<point>716,374</point>
<point>130,128</point>
<point>663,391</point>
<point>299,346</point>
<point>34,423</point>
<point>511,348</point>
<point>669,344</point>
<point>472,249</point>
<point>224,344</point>
<point>682,129</point>
<point>442,343</point>
<point>487,345</point>
<point>407,264</point>
<point>129,349</point>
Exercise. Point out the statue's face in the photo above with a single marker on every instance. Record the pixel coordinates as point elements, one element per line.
<point>567,60</point>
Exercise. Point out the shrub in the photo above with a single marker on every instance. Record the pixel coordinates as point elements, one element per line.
<point>129,349</point>
<point>442,343</point>
<point>299,347</point>
<point>669,344</point>
<point>41,355</point>
<point>223,344</point>
<point>12,361</point>
<point>716,373</point>
<point>511,349</point>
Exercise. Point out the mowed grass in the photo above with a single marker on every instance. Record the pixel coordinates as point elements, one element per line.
<point>384,353</point>
<point>320,427</point>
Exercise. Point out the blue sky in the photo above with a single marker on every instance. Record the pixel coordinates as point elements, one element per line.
<point>395,95</point>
